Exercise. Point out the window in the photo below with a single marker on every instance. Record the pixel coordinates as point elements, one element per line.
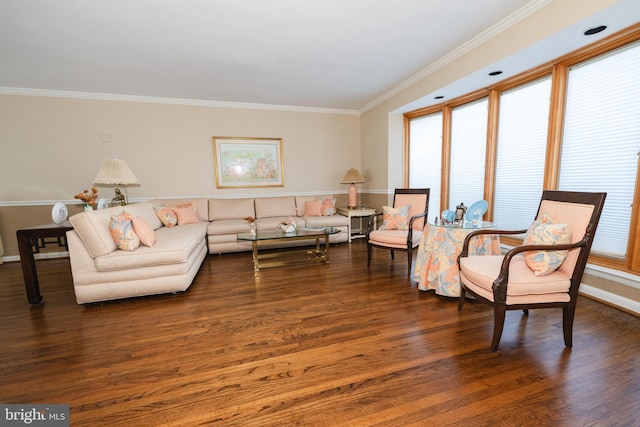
<point>468,151</point>
<point>521,150</point>
<point>601,140</point>
<point>571,125</point>
<point>425,166</point>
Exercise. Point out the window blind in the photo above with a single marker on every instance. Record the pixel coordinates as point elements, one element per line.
<point>468,152</point>
<point>602,138</point>
<point>521,149</point>
<point>425,167</point>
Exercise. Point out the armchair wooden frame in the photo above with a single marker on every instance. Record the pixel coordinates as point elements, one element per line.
<point>500,285</point>
<point>411,242</point>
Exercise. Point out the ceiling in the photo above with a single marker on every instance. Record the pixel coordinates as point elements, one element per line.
<point>330,54</point>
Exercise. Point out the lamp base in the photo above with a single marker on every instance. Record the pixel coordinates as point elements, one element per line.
<point>353,197</point>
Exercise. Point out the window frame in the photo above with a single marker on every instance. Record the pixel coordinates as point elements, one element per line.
<point>558,69</point>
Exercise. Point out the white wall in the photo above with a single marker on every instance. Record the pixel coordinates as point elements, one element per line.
<point>51,147</point>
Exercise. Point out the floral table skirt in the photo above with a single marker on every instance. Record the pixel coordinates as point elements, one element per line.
<point>436,267</point>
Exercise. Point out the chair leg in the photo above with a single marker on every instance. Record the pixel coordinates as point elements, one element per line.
<point>498,324</point>
<point>393,255</point>
<point>568,314</point>
<point>368,254</point>
<point>409,260</point>
<point>526,311</point>
<point>463,293</point>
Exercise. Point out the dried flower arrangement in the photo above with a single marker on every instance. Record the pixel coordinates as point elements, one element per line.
<point>88,198</point>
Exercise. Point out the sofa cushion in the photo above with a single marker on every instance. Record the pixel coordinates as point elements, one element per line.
<point>173,246</point>
<point>267,207</point>
<point>227,226</point>
<point>230,208</point>
<point>326,221</point>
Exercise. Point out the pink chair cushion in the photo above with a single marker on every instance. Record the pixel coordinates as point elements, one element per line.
<point>417,202</point>
<point>479,272</point>
<point>394,238</point>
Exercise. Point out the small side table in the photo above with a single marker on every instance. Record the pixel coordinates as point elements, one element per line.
<point>356,213</point>
<point>30,241</point>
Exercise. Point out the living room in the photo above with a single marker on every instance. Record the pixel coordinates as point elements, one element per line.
<point>54,140</point>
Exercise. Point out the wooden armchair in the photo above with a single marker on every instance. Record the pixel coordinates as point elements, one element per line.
<point>405,239</point>
<point>507,282</point>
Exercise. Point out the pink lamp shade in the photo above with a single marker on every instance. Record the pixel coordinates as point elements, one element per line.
<point>352,177</point>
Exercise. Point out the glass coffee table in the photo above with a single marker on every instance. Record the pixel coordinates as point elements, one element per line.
<point>275,258</point>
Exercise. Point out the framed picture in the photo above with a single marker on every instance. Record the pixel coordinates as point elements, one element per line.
<point>248,162</point>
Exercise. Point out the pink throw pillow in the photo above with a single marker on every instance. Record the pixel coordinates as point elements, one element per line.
<point>144,231</point>
<point>186,215</point>
<point>313,208</point>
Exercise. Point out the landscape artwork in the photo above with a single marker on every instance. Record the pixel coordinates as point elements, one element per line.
<point>248,162</point>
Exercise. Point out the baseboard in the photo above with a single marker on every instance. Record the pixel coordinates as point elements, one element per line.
<point>609,298</point>
<point>49,255</point>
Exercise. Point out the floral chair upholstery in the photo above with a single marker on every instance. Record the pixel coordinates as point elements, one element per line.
<point>402,225</point>
<point>545,272</point>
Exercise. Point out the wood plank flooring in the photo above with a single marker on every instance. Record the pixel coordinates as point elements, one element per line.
<point>317,345</point>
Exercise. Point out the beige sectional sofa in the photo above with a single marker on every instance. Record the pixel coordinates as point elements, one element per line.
<point>103,272</point>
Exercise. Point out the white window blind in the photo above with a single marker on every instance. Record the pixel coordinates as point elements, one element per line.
<point>425,148</point>
<point>468,152</point>
<point>522,144</point>
<point>602,138</point>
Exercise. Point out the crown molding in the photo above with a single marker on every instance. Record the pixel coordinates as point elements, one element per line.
<point>465,48</point>
<point>170,101</point>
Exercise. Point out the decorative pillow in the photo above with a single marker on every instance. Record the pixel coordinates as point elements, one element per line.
<point>327,206</point>
<point>144,231</point>
<point>122,232</point>
<point>395,218</point>
<point>544,231</point>
<point>166,215</point>
<point>186,215</point>
<point>191,205</point>
<point>313,208</point>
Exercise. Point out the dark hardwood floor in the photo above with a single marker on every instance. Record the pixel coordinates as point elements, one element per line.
<point>318,345</point>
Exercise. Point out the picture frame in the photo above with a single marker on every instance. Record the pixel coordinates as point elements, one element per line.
<point>248,162</point>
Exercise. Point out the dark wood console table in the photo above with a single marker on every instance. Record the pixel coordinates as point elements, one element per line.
<point>30,241</point>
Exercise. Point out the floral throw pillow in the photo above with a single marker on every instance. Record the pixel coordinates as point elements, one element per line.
<point>327,207</point>
<point>166,215</point>
<point>395,218</point>
<point>544,231</point>
<point>121,229</point>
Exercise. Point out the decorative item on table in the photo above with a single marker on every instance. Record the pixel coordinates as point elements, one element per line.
<point>475,212</point>
<point>447,216</point>
<point>115,172</point>
<point>88,198</point>
<point>59,213</point>
<point>461,209</point>
<point>102,204</point>
<point>352,177</point>
<point>252,223</point>
<point>288,226</point>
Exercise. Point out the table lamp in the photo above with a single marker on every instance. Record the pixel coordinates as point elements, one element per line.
<point>352,177</point>
<point>116,172</point>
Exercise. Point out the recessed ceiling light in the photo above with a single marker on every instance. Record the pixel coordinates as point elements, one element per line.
<point>595,30</point>
<point>438,97</point>
<point>495,73</point>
